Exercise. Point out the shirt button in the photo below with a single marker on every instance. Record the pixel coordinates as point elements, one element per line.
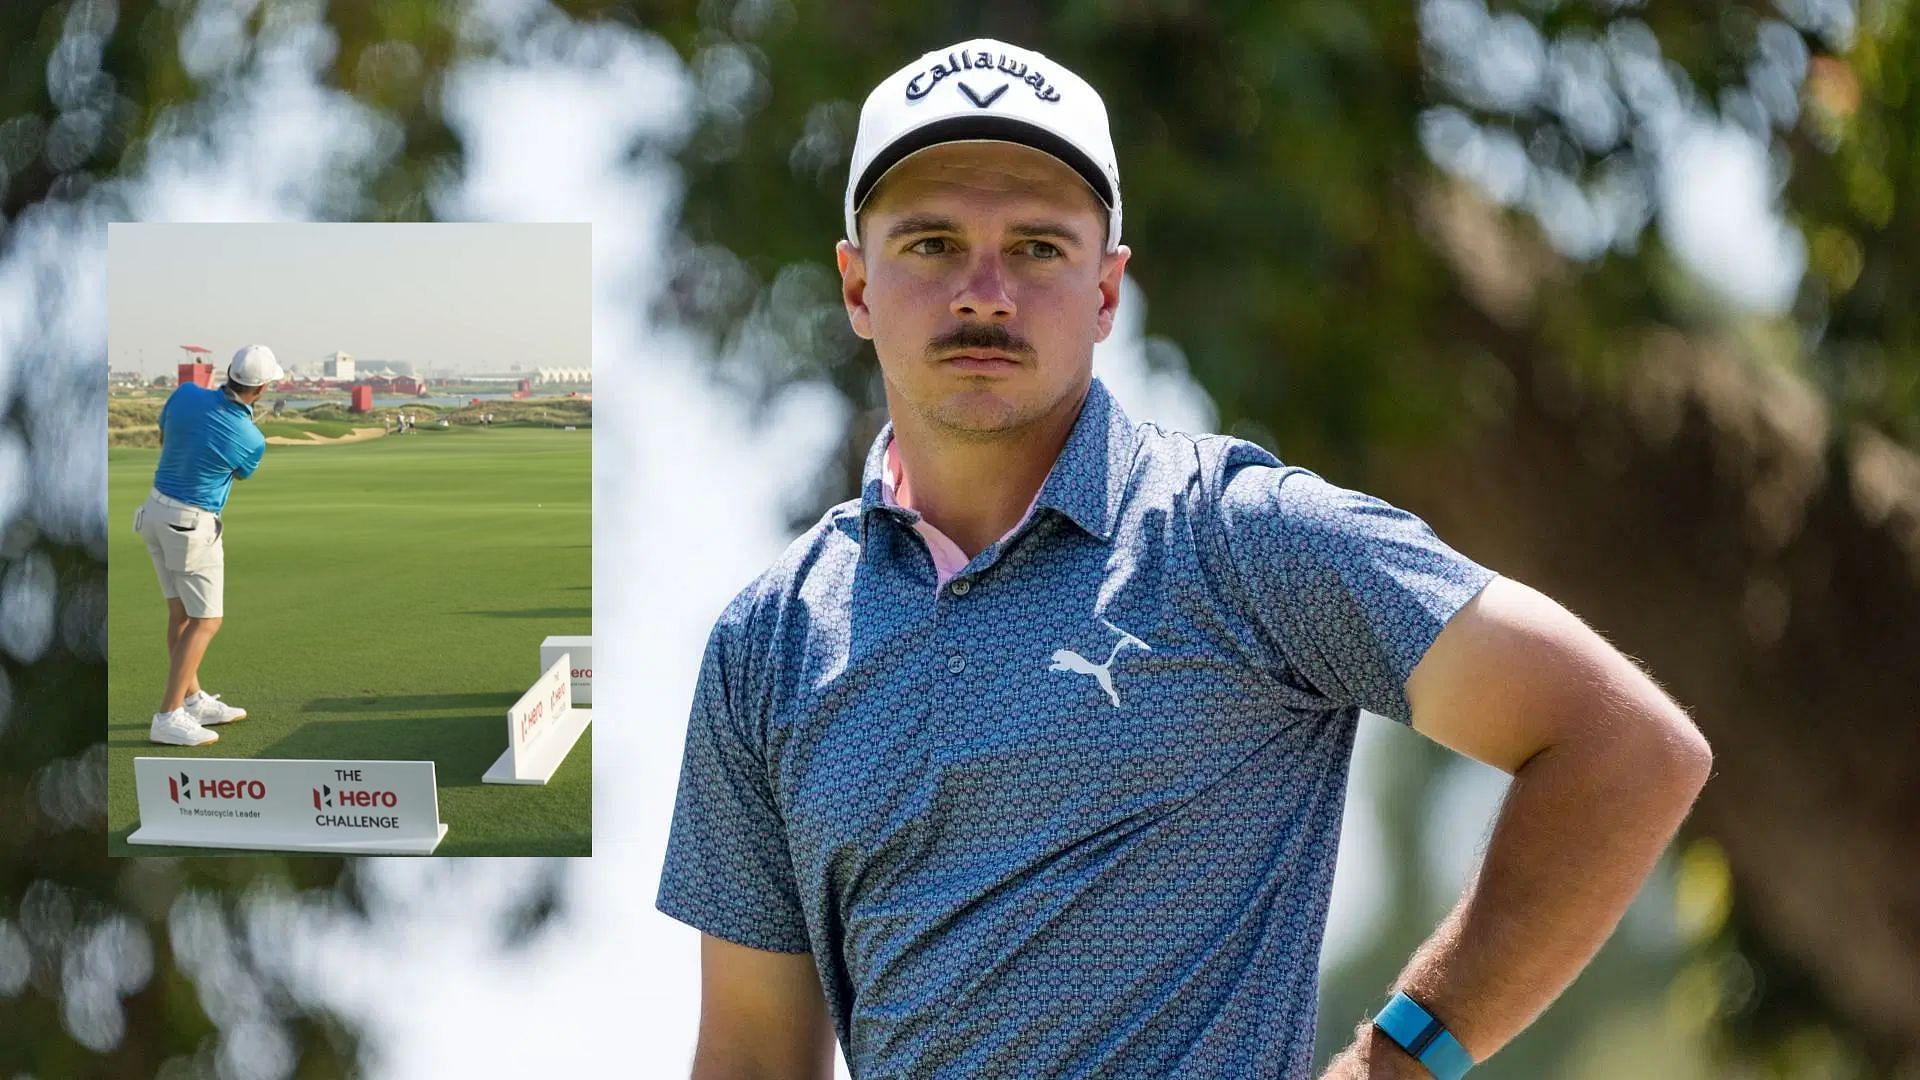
<point>956,664</point>
<point>962,587</point>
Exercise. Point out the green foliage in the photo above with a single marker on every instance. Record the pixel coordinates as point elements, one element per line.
<point>1276,184</point>
<point>1856,193</point>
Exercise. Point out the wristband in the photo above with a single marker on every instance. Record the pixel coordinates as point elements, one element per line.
<point>1421,1034</point>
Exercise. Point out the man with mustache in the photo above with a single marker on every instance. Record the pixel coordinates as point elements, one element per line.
<point>918,816</point>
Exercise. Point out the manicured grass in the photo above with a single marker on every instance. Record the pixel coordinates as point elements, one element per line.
<point>298,429</point>
<point>385,600</point>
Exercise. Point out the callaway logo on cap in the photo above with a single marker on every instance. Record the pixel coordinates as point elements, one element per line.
<point>985,89</point>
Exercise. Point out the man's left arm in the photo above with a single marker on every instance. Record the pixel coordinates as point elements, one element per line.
<point>1605,767</point>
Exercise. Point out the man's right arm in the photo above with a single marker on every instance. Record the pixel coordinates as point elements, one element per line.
<point>762,1015</point>
<point>730,874</point>
<point>250,459</point>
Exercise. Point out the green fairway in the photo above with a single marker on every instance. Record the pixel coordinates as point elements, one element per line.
<point>303,428</point>
<point>384,600</point>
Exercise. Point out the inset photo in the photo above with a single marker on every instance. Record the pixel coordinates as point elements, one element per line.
<point>349,475</point>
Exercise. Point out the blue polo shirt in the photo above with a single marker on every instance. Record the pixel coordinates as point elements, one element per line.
<point>207,439</point>
<point>1074,814</point>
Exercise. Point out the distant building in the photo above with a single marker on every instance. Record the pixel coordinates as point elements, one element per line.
<point>547,376</point>
<point>396,384</point>
<point>124,378</point>
<point>339,366</point>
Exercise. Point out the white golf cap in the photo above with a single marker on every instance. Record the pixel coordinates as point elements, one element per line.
<point>254,365</point>
<point>984,89</point>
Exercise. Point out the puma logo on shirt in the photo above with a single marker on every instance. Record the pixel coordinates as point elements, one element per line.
<point>1068,660</point>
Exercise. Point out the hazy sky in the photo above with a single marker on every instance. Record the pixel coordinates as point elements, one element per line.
<point>475,298</point>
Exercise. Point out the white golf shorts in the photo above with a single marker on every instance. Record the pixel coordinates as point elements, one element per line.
<point>185,543</point>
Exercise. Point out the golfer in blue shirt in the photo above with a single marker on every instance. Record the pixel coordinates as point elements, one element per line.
<point>1030,761</point>
<point>208,440</point>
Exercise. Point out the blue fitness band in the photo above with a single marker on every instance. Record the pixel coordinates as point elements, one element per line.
<point>1419,1033</point>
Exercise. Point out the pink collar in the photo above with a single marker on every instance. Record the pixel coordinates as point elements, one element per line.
<point>948,559</point>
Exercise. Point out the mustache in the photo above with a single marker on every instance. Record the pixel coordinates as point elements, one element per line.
<point>980,336</point>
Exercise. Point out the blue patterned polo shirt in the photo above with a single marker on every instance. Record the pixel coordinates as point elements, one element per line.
<point>1074,814</point>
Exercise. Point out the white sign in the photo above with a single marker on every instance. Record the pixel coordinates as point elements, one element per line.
<point>541,729</point>
<point>580,647</point>
<point>277,804</point>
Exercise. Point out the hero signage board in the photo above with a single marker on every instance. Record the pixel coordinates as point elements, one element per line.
<point>280,804</point>
<point>580,648</point>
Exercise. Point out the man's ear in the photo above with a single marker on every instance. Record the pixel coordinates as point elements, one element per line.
<point>853,287</point>
<point>1113,266</point>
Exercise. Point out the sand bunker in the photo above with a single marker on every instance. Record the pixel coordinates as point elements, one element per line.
<point>314,438</point>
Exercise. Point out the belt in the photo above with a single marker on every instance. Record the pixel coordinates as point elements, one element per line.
<point>168,500</point>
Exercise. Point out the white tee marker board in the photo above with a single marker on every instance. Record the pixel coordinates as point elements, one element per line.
<point>541,729</point>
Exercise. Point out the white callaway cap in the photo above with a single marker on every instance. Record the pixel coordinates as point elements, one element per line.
<point>985,89</point>
<point>254,365</point>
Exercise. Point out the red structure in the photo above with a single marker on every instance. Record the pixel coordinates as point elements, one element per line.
<point>362,399</point>
<point>197,374</point>
<point>397,384</point>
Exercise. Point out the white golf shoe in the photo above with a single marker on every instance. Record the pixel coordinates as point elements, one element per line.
<point>209,710</point>
<point>179,728</point>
